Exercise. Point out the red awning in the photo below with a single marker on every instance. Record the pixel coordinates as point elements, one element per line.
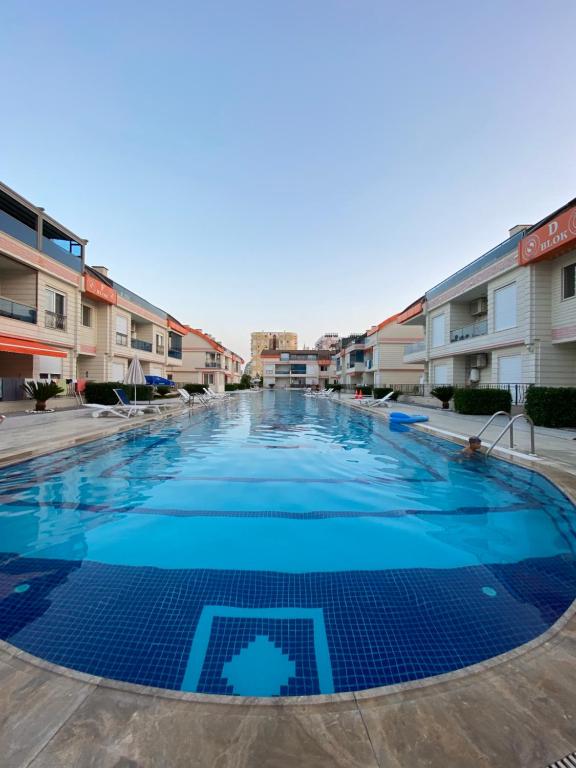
<point>25,347</point>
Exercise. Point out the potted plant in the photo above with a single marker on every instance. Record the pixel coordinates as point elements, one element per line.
<point>41,391</point>
<point>444,394</point>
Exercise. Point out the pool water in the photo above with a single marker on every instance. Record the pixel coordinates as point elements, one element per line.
<point>278,545</point>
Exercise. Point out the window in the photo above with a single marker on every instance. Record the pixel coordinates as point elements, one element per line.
<point>284,356</point>
<point>121,331</point>
<point>569,281</point>
<point>86,316</point>
<point>208,378</point>
<point>55,309</point>
<point>510,369</point>
<point>440,373</point>
<point>505,307</point>
<point>159,344</point>
<point>117,371</point>
<point>438,331</point>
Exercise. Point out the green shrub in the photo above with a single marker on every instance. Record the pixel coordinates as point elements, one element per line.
<point>444,393</point>
<point>194,389</point>
<point>552,406</point>
<point>366,391</point>
<point>103,392</point>
<point>163,390</point>
<point>380,392</point>
<point>245,381</point>
<point>232,387</point>
<point>482,401</point>
<point>335,387</point>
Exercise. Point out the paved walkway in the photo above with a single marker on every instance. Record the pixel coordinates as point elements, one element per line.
<point>23,436</point>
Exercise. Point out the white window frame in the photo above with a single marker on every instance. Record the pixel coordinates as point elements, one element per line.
<point>434,341</point>
<point>51,294</point>
<point>507,324</point>
<point>563,283</point>
<point>90,314</point>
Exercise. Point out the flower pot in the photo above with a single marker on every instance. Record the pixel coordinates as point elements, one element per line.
<point>40,405</point>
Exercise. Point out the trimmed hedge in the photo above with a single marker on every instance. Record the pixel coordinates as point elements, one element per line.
<point>335,387</point>
<point>482,402</point>
<point>194,389</point>
<point>103,392</point>
<point>551,406</point>
<point>366,391</point>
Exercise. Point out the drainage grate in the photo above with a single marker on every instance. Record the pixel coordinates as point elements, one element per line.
<point>566,762</point>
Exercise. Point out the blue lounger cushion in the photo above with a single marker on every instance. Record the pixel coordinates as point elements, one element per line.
<point>404,418</point>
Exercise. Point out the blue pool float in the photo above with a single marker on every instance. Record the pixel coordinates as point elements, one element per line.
<point>404,418</point>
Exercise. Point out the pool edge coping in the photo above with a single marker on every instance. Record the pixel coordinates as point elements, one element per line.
<point>552,636</point>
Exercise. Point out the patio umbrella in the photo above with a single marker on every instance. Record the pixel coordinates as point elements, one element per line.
<point>135,375</point>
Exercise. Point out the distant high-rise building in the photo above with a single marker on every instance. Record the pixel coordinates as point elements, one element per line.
<point>328,341</point>
<point>261,340</point>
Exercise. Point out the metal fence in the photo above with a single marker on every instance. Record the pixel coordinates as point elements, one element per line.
<point>517,391</point>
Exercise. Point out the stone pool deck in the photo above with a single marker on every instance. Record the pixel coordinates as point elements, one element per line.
<point>516,711</point>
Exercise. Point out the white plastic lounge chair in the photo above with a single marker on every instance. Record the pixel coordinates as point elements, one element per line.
<point>385,401</point>
<point>123,411</point>
<point>124,400</point>
<point>214,396</point>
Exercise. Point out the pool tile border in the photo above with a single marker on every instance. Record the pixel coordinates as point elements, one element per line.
<point>558,475</point>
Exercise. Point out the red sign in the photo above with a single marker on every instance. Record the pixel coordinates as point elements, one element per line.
<point>548,239</point>
<point>99,291</point>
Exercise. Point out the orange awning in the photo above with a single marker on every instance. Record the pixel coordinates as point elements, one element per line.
<point>24,347</point>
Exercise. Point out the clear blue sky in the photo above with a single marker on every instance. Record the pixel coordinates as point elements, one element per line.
<point>308,165</point>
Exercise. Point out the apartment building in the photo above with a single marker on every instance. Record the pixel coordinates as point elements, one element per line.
<point>300,368</point>
<point>507,318</point>
<point>376,357</point>
<point>329,341</point>
<point>207,361</point>
<point>263,340</point>
<point>63,320</point>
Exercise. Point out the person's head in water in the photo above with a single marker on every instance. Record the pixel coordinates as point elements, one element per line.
<point>474,444</point>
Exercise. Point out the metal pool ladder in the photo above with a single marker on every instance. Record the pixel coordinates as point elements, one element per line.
<point>510,429</point>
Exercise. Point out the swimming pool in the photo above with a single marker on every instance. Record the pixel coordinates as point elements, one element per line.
<point>278,545</point>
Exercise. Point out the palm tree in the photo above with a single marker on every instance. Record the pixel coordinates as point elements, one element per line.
<point>40,391</point>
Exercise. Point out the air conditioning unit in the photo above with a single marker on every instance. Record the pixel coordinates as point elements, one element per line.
<point>479,306</point>
<point>479,361</point>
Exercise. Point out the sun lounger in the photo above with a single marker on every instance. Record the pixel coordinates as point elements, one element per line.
<point>385,401</point>
<point>122,411</point>
<point>124,400</point>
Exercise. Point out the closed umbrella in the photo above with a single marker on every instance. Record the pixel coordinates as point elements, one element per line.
<point>135,375</point>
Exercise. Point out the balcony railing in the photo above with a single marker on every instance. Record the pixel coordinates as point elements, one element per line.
<point>469,331</point>
<point>144,346</point>
<point>212,365</point>
<point>17,311</point>
<point>54,320</point>
<point>416,346</point>
<point>177,353</point>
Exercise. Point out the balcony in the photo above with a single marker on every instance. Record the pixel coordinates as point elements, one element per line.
<point>54,320</point>
<point>144,346</point>
<point>212,365</point>
<point>18,229</point>
<point>177,353</point>
<point>417,346</point>
<point>469,331</point>
<point>17,311</point>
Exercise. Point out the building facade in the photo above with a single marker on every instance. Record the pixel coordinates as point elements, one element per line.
<point>329,341</point>
<point>509,317</point>
<point>62,320</point>
<point>263,340</point>
<point>206,361</point>
<point>284,369</point>
<point>376,357</point>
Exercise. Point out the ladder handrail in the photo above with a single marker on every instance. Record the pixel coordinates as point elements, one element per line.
<point>510,426</point>
<point>491,419</point>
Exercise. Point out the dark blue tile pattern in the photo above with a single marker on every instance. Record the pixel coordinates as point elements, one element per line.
<point>295,637</point>
<point>137,624</point>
